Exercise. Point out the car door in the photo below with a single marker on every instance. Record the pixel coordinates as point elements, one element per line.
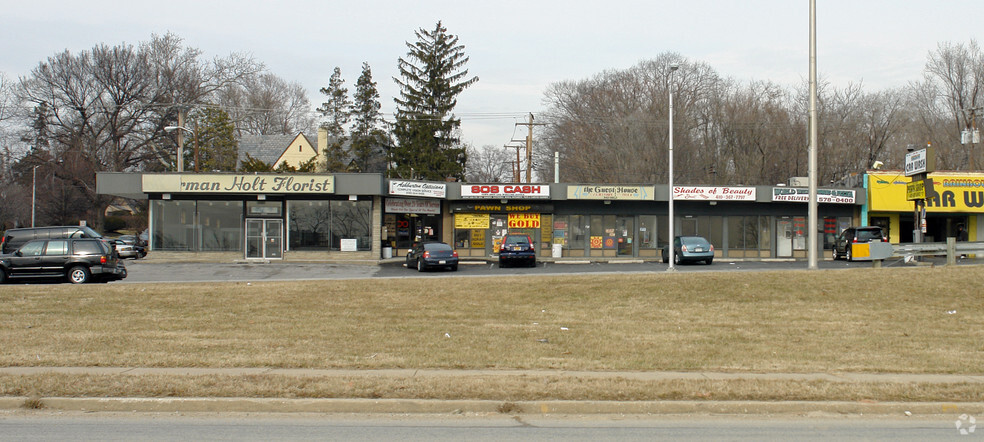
<point>55,257</point>
<point>26,261</point>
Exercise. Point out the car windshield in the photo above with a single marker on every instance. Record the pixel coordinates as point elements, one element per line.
<point>512,240</point>
<point>869,234</point>
<point>693,241</point>
<point>437,247</point>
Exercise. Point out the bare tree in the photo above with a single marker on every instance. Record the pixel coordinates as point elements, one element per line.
<point>488,164</point>
<point>266,104</point>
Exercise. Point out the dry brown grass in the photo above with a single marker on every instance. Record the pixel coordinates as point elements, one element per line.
<point>905,320</point>
<point>891,320</point>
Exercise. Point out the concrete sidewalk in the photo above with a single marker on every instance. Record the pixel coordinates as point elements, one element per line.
<point>432,406</point>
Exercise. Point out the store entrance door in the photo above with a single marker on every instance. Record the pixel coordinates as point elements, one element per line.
<point>624,233</point>
<point>264,238</point>
<point>784,238</point>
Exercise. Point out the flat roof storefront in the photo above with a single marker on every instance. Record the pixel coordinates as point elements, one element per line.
<point>366,216</point>
<point>956,200</point>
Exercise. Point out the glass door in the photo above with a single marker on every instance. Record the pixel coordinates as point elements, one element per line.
<point>624,233</point>
<point>264,238</point>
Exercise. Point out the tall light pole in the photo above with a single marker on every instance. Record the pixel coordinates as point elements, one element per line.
<point>181,130</point>
<point>34,191</point>
<point>669,248</point>
<point>812,209</point>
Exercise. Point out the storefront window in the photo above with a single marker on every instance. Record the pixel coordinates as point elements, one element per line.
<point>174,225</point>
<point>647,232</point>
<point>351,220</point>
<point>197,225</point>
<point>577,239</point>
<point>220,224</point>
<point>309,224</point>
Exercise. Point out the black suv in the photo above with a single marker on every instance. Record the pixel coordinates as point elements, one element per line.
<point>77,260</point>
<point>851,235</point>
<point>517,247</point>
<point>14,238</point>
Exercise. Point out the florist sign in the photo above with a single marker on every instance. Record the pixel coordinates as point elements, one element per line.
<point>416,188</point>
<point>713,193</point>
<point>237,183</point>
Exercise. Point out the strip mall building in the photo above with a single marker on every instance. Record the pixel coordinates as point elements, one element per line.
<point>367,216</point>
<point>957,199</point>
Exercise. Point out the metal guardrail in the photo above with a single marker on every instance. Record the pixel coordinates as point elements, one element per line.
<point>951,248</point>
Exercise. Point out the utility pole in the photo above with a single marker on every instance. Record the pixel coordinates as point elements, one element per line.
<point>181,140</point>
<point>529,147</point>
<point>515,169</point>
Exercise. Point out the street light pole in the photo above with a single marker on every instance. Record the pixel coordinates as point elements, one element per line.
<point>670,246</point>
<point>181,129</point>
<point>34,192</point>
<point>812,161</point>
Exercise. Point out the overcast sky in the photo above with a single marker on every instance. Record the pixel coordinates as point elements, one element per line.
<point>517,48</point>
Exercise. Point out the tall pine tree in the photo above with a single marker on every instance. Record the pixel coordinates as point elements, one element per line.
<point>426,130</point>
<point>217,147</point>
<point>337,110</point>
<point>367,136</point>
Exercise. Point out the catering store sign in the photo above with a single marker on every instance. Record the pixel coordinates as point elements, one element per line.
<point>417,188</point>
<point>613,192</point>
<point>713,193</point>
<point>238,183</point>
<point>505,191</point>
<point>823,195</point>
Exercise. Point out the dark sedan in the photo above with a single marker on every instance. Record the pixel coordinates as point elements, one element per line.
<point>690,249</point>
<point>427,255</point>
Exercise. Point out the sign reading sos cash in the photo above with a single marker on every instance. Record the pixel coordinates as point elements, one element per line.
<point>505,191</point>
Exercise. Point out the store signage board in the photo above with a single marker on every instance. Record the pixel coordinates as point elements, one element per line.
<point>920,161</point>
<point>417,188</point>
<point>505,191</point>
<point>603,192</point>
<point>237,183</point>
<point>802,195</point>
<point>471,221</point>
<point>410,205</point>
<point>713,193</point>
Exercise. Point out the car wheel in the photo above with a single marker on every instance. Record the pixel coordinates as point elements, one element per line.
<point>3,276</point>
<point>709,261</point>
<point>834,253</point>
<point>666,256</point>
<point>78,275</point>
<point>676,258</point>
<point>420,265</point>
<point>848,254</point>
<point>454,268</point>
<point>502,264</point>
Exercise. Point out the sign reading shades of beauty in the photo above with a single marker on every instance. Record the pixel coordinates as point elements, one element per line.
<point>238,183</point>
<point>713,193</point>
<point>409,205</point>
<point>505,191</point>
<point>417,188</point>
<point>604,192</point>
<point>799,194</point>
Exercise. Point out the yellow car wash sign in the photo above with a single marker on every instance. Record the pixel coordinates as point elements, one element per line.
<point>950,192</point>
<point>915,190</point>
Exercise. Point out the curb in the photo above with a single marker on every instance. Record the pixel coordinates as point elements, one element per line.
<point>417,406</point>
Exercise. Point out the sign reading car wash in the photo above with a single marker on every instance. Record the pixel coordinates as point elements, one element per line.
<point>801,195</point>
<point>713,193</point>
<point>409,205</point>
<point>237,183</point>
<point>505,191</point>
<point>610,192</point>
<point>416,188</point>
<point>524,221</point>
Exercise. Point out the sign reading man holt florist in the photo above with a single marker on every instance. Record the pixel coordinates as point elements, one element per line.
<point>238,183</point>
<point>713,193</point>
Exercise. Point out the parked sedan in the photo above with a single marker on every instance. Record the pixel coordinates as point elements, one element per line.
<point>129,246</point>
<point>690,249</point>
<point>427,255</point>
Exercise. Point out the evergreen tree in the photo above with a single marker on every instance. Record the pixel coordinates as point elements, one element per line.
<point>251,164</point>
<point>426,129</point>
<point>217,147</point>
<point>366,135</point>
<point>338,111</point>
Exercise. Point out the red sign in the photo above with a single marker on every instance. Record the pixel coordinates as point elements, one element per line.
<point>505,191</point>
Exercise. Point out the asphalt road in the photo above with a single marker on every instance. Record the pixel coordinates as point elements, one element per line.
<point>144,271</point>
<point>29,426</point>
